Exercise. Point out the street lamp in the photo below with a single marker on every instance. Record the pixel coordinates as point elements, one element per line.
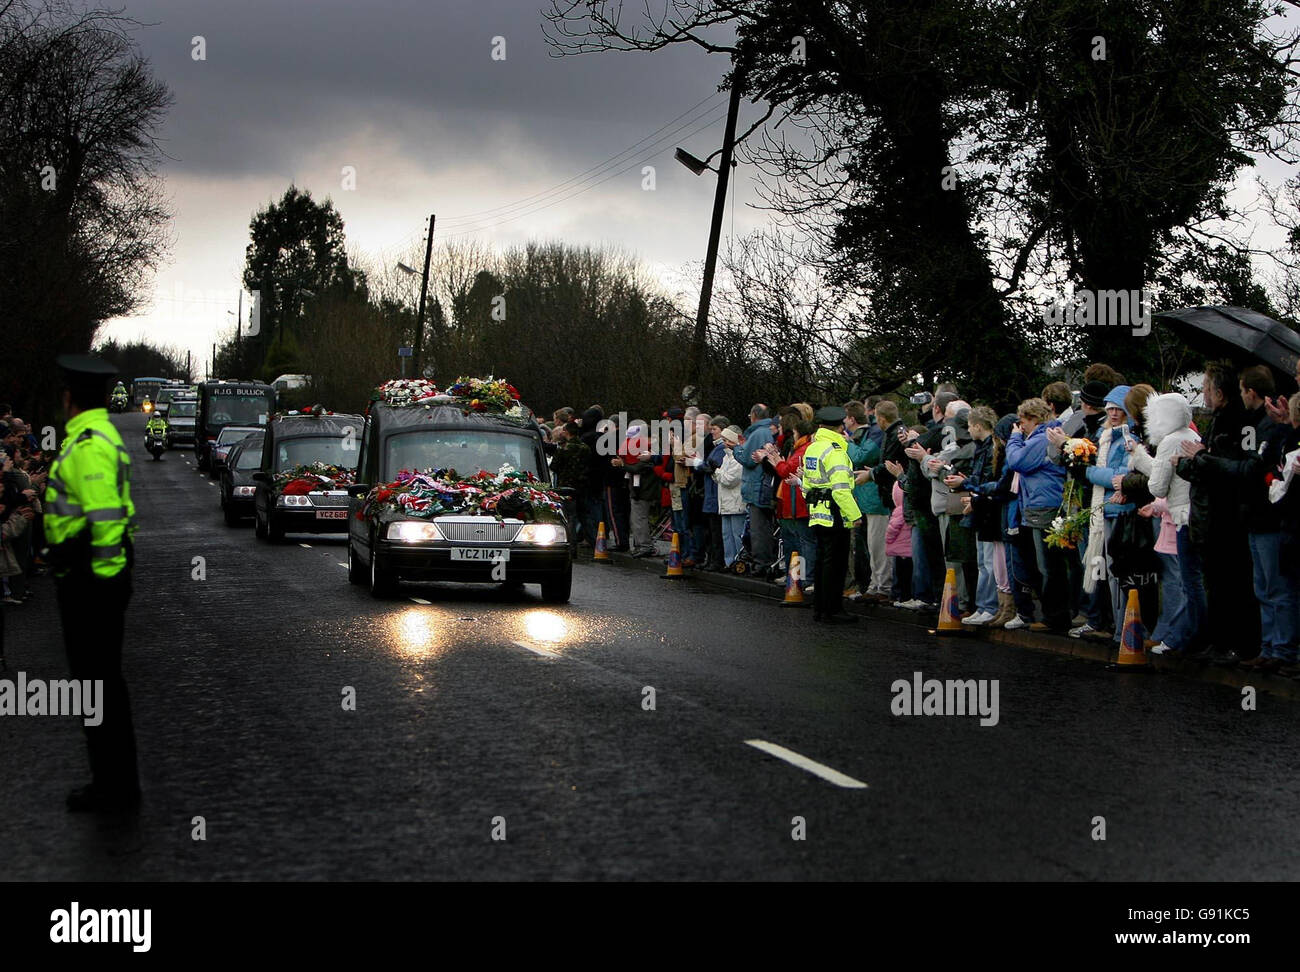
<point>691,162</point>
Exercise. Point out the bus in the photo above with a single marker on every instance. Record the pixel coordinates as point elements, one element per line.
<point>223,403</point>
<point>142,388</point>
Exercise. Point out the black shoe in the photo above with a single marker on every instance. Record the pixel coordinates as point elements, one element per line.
<point>1229,659</point>
<point>87,799</point>
<point>843,618</point>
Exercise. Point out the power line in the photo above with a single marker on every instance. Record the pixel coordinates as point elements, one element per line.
<point>653,138</point>
<point>509,219</point>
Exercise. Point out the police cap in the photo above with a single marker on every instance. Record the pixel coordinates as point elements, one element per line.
<point>85,374</point>
<point>830,415</point>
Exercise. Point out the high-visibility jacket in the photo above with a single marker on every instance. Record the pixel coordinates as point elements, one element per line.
<point>826,469</point>
<point>90,489</point>
<point>156,425</point>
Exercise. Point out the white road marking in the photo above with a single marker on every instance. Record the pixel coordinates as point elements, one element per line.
<point>340,563</point>
<point>804,763</point>
<point>305,546</point>
<point>417,600</point>
<point>536,651</point>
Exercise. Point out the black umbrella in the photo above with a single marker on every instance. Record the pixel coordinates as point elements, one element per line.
<point>1237,333</point>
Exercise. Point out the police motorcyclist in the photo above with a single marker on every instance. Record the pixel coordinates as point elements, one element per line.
<point>89,525</point>
<point>156,427</point>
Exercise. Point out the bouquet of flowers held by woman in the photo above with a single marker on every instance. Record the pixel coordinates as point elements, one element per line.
<point>1078,453</point>
<point>435,492</point>
<point>401,392</point>
<point>1074,518</point>
<point>311,477</point>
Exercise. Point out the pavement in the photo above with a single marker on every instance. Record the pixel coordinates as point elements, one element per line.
<point>1092,649</point>
<point>648,730</point>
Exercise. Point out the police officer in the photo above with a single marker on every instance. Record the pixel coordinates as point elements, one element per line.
<point>89,527</point>
<point>156,426</point>
<point>832,512</point>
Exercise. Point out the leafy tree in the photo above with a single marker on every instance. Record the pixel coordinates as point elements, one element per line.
<point>296,254</point>
<point>954,160</point>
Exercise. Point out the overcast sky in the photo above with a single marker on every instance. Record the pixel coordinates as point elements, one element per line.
<point>408,93</point>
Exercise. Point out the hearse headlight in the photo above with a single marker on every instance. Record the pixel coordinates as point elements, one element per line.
<point>542,533</point>
<point>245,490</point>
<point>294,501</point>
<point>412,531</point>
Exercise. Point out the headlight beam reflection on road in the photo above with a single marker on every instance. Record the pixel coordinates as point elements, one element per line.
<point>543,628</point>
<point>413,633</point>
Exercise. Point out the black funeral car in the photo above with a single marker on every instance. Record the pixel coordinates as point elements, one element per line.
<point>292,446</point>
<point>236,478</point>
<point>390,546</point>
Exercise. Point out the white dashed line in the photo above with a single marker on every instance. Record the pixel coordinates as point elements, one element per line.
<point>418,600</point>
<point>537,651</point>
<point>305,546</point>
<point>804,763</point>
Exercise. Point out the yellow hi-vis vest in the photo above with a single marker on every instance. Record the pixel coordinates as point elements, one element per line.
<point>90,488</point>
<point>826,467</point>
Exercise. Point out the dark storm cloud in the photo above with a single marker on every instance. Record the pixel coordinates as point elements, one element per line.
<point>287,78</point>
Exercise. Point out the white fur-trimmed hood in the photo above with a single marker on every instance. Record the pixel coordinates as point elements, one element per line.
<point>1166,414</point>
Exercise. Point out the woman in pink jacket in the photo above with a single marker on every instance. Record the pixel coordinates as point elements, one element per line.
<point>898,547</point>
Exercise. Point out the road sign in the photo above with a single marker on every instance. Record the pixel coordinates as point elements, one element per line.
<point>404,351</point>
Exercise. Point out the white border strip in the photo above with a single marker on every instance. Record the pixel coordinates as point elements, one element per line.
<point>804,763</point>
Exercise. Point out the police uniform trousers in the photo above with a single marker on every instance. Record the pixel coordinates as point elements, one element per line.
<point>93,612</point>
<point>832,566</point>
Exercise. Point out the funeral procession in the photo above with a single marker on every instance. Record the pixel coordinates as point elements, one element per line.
<point>677,442</point>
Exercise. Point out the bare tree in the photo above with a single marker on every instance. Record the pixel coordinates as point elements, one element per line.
<point>82,221</point>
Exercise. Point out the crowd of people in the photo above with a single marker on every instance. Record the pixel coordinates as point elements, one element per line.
<point>22,482</point>
<point>1048,517</point>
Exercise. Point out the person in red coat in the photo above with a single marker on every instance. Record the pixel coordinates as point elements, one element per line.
<point>785,458</point>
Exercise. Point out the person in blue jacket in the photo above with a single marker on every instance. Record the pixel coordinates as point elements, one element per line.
<point>758,488</point>
<point>1117,448</point>
<point>1039,486</point>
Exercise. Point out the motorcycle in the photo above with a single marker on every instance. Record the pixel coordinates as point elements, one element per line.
<point>155,443</point>
<point>117,405</point>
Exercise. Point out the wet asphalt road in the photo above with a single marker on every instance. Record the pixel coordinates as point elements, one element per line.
<point>488,704</point>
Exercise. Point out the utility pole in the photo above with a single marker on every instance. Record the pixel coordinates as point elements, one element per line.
<point>698,343</point>
<point>424,292</point>
<point>189,375</point>
<point>239,319</point>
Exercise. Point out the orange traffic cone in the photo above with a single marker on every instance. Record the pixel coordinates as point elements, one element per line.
<point>674,560</point>
<point>601,556</point>
<point>794,582</point>
<point>949,612</point>
<point>1132,648</point>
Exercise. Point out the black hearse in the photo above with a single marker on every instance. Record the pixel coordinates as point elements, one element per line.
<point>393,547</point>
<point>298,440</point>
